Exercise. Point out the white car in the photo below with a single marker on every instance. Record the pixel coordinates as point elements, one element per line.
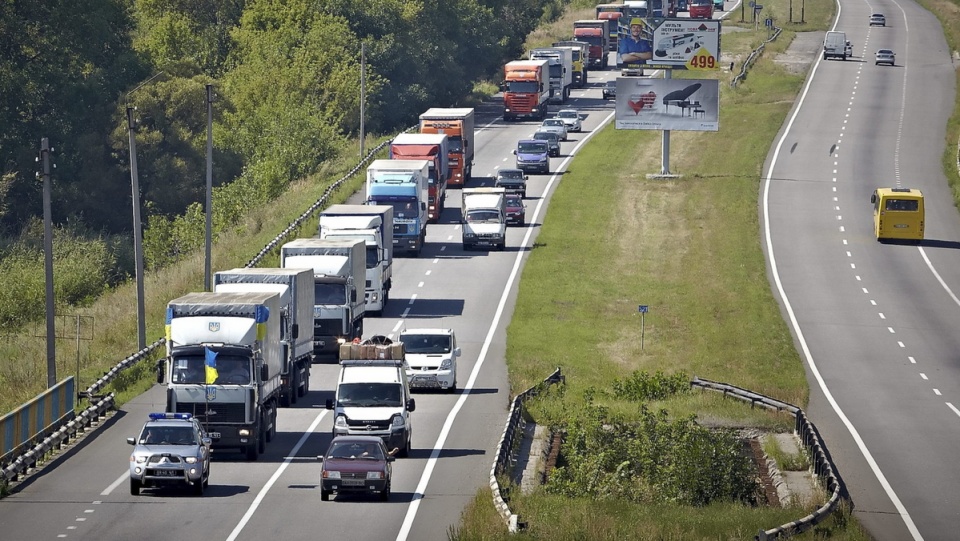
<point>571,119</point>
<point>431,356</point>
<point>557,125</point>
<point>885,56</point>
<point>877,19</point>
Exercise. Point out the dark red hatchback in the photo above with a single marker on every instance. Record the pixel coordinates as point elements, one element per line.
<point>356,464</point>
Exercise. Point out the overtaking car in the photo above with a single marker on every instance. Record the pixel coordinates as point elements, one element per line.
<point>555,124</point>
<point>172,449</point>
<point>571,119</point>
<point>885,56</point>
<point>610,89</point>
<point>358,464</point>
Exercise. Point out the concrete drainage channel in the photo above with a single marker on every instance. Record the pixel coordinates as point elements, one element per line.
<point>527,452</point>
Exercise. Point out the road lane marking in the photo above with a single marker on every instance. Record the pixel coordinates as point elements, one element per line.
<point>115,484</point>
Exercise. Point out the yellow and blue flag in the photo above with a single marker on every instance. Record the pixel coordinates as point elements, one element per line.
<point>210,364</point>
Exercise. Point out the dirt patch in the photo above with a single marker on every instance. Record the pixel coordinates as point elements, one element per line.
<point>802,52</point>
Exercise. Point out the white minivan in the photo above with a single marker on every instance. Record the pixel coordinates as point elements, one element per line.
<point>431,358</point>
<point>835,45</point>
<point>373,399</point>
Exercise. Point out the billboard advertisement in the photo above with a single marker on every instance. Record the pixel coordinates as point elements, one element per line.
<point>668,104</point>
<point>656,43</point>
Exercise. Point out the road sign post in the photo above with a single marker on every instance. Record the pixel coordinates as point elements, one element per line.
<point>643,310</point>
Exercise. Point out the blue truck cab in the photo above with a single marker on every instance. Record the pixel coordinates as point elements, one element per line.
<point>533,155</point>
<point>403,185</point>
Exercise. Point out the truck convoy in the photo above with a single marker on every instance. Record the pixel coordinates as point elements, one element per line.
<point>579,50</point>
<point>526,88</point>
<point>373,224</point>
<point>338,278</point>
<point>560,63</point>
<point>403,185</point>
<point>223,365</point>
<point>295,288</point>
<point>484,218</point>
<point>457,125</point>
<point>435,148</point>
<point>373,393</point>
<point>596,33</point>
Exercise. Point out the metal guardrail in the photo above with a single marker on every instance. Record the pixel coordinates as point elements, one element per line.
<point>98,385</point>
<point>822,466</point>
<point>47,411</point>
<point>506,449</point>
<point>753,57</point>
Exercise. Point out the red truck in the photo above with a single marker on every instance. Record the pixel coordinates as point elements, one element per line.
<point>526,89</point>
<point>597,34</point>
<point>435,148</point>
<point>701,9</point>
<point>457,124</point>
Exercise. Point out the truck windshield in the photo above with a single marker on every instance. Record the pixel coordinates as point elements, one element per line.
<point>226,369</point>
<point>523,86</point>
<point>483,216</point>
<point>556,71</point>
<point>426,343</point>
<point>456,145</point>
<point>369,395</point>
<point>532,148</point>
<point>329,294</point>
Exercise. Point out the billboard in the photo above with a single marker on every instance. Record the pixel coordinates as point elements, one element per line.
<point>657,43</point>
<point>668,104</point>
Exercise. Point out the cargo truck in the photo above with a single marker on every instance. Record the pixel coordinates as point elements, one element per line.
<point>338,278</point>
<point>614,18</point>
<point>560,63</point>
<point>526,88</point>
<point>373,224</point>
<point>435,148</point>
<point>484,218</point>
<point>457,124</point>
<point>579,50</point>
<point>295,288</point>
<point>596,33</point>
<point>223,366</point>
<point>403,185</point>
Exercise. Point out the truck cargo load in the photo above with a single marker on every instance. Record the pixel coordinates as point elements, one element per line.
<point>596,33</point>
<point>457,124</point>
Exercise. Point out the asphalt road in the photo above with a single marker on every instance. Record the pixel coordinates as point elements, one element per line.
<point>85,495</point>
<point>875,323</point>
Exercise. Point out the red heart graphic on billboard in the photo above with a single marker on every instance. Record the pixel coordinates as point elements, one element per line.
<point>646,100</point>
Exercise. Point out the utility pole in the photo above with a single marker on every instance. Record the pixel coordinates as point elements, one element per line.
<point>45,151</point>
<point>363,90</point>
<point>137,231</point>
<point>209,228</point>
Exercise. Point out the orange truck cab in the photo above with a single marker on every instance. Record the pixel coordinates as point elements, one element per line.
<point>526,88</point>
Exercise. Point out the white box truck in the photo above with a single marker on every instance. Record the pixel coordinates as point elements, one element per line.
<point>339,275</point>
<point>223,365</point>
<point>560,63</point>
<point>295,288</point>
<point>484,215</point>
<point>373,224</point>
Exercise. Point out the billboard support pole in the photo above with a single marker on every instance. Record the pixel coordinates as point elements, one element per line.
<point>665,152</point>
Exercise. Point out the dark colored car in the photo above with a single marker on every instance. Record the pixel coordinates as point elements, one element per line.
<point>553,141</point>
<point>356,464</point>
<point>516,212</point>
<point>610,89</point>
<point>513,180</point>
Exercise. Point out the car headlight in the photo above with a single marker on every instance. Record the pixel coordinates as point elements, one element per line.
<point>190,460</point>
<point>138,459</point>
<point>447,363</point>
<point>329,474</point>
<point>244,432</point>
<point>397,421</point>
<point>374,297</point>
<point>341,421</point>
<point>374,475</point>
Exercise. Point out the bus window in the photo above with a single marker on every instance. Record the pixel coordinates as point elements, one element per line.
<point>898,214</point>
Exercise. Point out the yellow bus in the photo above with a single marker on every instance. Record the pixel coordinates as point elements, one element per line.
<point>897,214</point>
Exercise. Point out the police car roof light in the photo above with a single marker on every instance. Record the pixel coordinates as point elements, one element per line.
<point>180,416</point>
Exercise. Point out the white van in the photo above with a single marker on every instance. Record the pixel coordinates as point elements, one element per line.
<point>373,399</point>
<point>431,358</point>
<point>835,45</point>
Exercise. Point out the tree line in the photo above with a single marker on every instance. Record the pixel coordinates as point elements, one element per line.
<point>286,75</point>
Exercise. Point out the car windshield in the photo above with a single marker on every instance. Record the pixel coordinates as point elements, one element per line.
<point>511,174</point>
<point>553,122</point>
<point>355,450</point>
<point>567,114</point>
<point>168,435</point>
<point>884,51</point>
<point>387,395</point>
<point>426,343</point>
<point>546,136</point>
<point>532,148</point>
<point>612,84</point>
<point>513,201</point>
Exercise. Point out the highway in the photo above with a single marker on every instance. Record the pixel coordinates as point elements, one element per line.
<point>875,323</point>
<point>85,495</point>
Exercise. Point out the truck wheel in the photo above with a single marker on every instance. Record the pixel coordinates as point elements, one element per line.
<point>135,487</point>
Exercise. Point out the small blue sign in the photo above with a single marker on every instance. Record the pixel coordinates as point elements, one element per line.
<point>642,308</point>
<point>768,22</point>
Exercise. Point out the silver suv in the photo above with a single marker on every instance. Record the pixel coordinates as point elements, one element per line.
<point>172,449</point>
<point>877,19</point>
